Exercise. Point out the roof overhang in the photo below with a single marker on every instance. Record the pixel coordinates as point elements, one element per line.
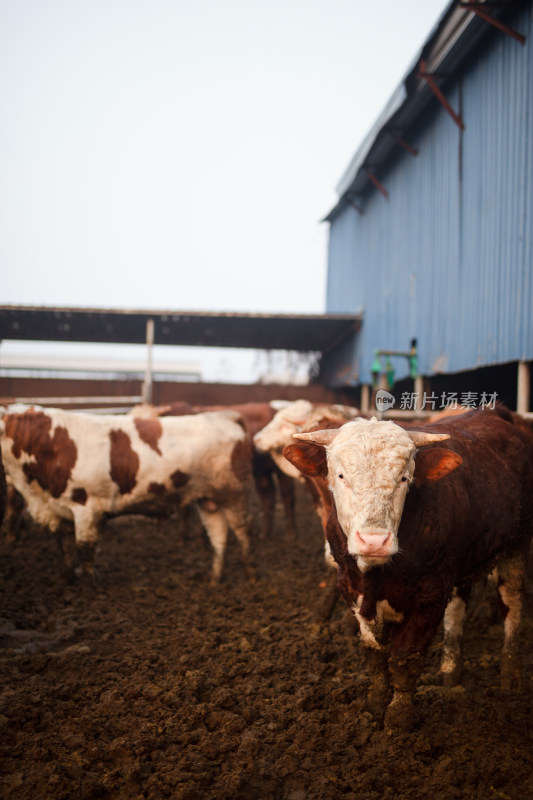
<point>447,47</point>
<point>299,332</point>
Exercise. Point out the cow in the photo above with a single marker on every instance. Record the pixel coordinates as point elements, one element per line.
<point>302,415</point>
<point>413,524</point>
<point>266,472</point>
<point>291,418</point>
<point>82,468</point>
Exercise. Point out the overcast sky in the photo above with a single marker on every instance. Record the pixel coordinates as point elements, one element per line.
<point>180,154</point>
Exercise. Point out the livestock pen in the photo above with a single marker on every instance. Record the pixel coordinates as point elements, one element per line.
<point>157,685</point>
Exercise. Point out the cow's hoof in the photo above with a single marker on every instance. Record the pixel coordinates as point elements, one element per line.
<point>87,580</point>
<point>401,714</point>
<point>379,697</point>
<point>511,674</point>
<point>451,677</point>
<point>69,574</point>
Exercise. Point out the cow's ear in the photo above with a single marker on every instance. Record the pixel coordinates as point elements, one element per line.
<point>308,457</point>
<point>434,464</point>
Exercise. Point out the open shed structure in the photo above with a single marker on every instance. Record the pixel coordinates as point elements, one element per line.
<point>431,237</point>
<point>312,333</point>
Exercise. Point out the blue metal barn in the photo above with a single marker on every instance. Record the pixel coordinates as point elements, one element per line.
<point>431,238</point>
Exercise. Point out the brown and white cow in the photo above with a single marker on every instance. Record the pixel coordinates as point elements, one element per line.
<point>293,418</point>
<point>82,467</point>
<point>413,524</point>
<point>266,472</point>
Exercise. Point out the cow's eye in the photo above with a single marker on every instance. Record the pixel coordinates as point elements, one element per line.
<point>341,477</point>
<point>405,478</point>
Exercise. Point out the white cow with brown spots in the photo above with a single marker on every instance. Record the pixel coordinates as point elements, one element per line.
<point>80,468</point>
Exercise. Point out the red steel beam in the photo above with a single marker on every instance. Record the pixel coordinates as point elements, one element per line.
<point>430,80</point>
<point>354,205</point>
<point>376,183</point>
<point>481,11</point>
<point>403,143</point>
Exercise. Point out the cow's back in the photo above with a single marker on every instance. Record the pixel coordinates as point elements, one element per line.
<point>60,460</point>
<point>484,506</point>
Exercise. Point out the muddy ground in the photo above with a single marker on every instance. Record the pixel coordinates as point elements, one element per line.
<point>157,686</point>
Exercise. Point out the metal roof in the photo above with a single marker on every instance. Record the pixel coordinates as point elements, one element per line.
<point>300,332</point>
<point>448,45</point>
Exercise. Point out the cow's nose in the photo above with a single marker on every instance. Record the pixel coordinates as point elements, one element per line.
<point>373,541</point>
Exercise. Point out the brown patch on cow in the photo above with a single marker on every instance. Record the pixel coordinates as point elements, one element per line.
<point>124,461</point>
<point>55,456</point>
<point>241,459</point>
<point>79,495</point>
<point>157,488</point>
<point>150,431</point>
<point>179,479</point>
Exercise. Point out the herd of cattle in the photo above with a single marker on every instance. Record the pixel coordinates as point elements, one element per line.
<point>412,515</point>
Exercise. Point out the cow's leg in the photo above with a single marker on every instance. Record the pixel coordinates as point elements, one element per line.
<point>379,692</point>
<point>238,520</point>
<point>86,528</point>
<point>404,673</point>
<point>485,605</point>
<point>373,637</point>
<point>13,515</point>
<point>266,491</point>
<point>286,490</point>
<point>408,648</point>
<point>327,603</point>
<point>511,574</point>
<point>452,655</point>
<point>64,535</point>
<point>216,526</point>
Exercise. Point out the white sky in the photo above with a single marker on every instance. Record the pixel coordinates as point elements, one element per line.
<point>180,154</point>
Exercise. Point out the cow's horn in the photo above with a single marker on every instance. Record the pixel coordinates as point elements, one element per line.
<point>420,438</point>
<point>318,437</point>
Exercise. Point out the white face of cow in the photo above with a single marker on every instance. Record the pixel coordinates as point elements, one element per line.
<point>370,466</point>
<point>279,431</point>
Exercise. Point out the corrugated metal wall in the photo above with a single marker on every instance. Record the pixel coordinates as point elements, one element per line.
<point>448,257</point>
